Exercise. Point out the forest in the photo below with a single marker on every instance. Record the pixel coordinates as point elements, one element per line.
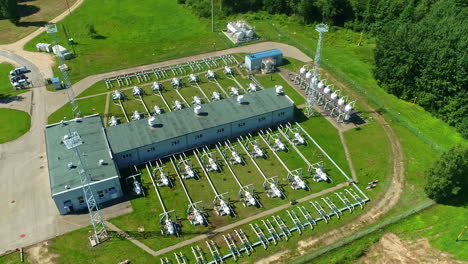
<point>421,45</point>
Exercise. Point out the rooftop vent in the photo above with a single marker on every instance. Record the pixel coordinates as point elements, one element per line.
<point>279,90</point>
<point>152,121</point>
<point>102,162</point>
<point>70,165</point>
<point>197,110</point>
<point>240,99</point>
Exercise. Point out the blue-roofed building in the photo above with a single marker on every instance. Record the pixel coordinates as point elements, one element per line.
<point>254,61</point>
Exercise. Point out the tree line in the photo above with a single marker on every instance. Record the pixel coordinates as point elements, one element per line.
<point>420,53</point>
<point>9,10</point>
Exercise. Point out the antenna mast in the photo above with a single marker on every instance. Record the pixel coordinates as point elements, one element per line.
<point>52,29</point>
<point>73,141</point>
<point>311,90</point>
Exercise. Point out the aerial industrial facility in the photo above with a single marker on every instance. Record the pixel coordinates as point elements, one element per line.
<point>152,138</point>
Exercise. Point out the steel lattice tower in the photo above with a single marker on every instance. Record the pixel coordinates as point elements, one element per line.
<point>73,141</point>
<point>311,90</point>
<point>52,29</point>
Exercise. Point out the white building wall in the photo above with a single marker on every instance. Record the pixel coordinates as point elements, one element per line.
<point>73,195</point>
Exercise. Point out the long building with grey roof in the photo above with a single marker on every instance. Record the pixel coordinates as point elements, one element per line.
<point>140,141</point>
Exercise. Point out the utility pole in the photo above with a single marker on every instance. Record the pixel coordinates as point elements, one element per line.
<point>212,15</point>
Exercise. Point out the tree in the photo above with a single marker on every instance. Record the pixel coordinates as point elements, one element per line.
<point>447,179</point>
<point>9,9</point>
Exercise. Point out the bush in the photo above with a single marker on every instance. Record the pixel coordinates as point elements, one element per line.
<point>447,179</point>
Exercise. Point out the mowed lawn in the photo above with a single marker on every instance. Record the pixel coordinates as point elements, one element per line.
<point>6,89</point>
<point>14,124</point>
<point>34,14</point>
<point>130,34</point>
<point>88,106</point>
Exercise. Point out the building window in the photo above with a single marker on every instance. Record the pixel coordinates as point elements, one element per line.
<point>151,149</point>
<point>281,114</point>
<point>221,130</point>
<point>261,119</point>
<point>127,155</point>
<point>199,136</point>
<point>175,142</point>
<point>241,124</point>
<point>80,199</point>
<point>100,194</point>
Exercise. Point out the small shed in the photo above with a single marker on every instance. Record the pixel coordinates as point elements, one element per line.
<point>56,83</point>
<point>253,62</point>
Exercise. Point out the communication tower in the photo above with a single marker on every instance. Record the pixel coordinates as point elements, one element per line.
<point>52,29</point>
<point>73,141</point>
<point>311,90</point>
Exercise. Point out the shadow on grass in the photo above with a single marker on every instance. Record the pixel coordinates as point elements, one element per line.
<point>6,98</point>
<point>32,24</point>
<point>27,10</point>
<point>460,200</point>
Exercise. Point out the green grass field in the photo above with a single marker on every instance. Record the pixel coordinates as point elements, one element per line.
<point>15,123</point>
<point>439,224</point>
<point>353,65</point>
<point>34,14</point>
<point>142,36</point>
<point>419,132</point>
<point>6,89</point>
<point>88,106</point>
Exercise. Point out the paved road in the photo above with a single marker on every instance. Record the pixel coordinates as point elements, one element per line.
<point>24,206</point>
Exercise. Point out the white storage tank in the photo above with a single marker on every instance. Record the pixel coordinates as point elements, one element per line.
<point>233,28</point>
<point>334,95</point>
<point>239,35</point>
<point>348,108</point>
<point>249,33</point>
<point>321,85</point>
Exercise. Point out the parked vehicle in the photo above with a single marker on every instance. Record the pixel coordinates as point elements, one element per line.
<point>19,70</point>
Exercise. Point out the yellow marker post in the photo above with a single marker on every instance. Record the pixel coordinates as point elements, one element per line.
<point>461,233</point>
